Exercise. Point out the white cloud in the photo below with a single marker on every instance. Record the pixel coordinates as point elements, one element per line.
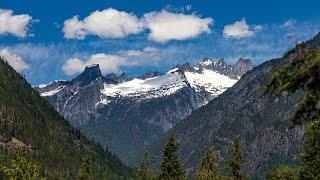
<point>258,28</point>
<point>147,51</point>
<point>16,25</point>
<point>14,60</point>
<point>165,26</point>
<point>109,23</point>
<point>108,63</point>
<point>288,23</point>
<point>240,29</point>
<point>74,29</point>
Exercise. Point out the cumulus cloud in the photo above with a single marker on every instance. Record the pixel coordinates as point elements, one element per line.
<point>16,25</point>
<point>108,63</point>
<point>109,23</point>
<point>14,60</point>
<point>74,29</point>
<point>165,26</point>
<point>240,29</point>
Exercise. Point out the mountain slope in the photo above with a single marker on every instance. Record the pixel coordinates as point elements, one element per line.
<point>125,114</point>
<point>261,118</point>
<point>51,142</point>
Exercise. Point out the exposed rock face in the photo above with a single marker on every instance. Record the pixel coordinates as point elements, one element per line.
<point>127,114</point>
<point>242,66</point>
<point>262,119</point>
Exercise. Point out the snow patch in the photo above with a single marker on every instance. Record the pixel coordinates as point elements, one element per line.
<point>210,81</point>
<point>52,92</point>
<point>173,70</point>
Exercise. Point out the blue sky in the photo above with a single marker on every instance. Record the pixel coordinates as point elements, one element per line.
<point>48,40</point>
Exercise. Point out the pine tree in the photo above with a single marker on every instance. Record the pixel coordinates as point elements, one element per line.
<point>86,167</point>
<point>236,163</point>
<point>207,169</point>
<point>310,157</point>
<point>144,171</point>
<point>171,166</point>
<point>20,168</point>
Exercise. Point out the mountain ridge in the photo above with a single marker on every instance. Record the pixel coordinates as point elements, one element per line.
<point>244,109</point>
<point>110,109</point>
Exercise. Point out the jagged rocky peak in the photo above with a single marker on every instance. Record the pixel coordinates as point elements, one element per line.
<point>222,62</point>
<point>185,67</point>
<point>242,66</point>
<point>206,61</point>
<point>90,73</point>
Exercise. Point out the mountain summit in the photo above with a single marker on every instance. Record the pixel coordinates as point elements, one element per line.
<point>112,108</point>
<point>89,74</point>
<point>242,66</point>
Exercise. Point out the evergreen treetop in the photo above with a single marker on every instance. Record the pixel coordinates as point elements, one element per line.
<point>171,165</point>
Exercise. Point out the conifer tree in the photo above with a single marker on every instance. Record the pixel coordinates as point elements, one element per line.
<point>144,171</point>
<point>86,167</point>
<point>236,163</point>
<point>310,157</point>
<point>207,169</point>
<point>20,168</point>
<point>171,165</point>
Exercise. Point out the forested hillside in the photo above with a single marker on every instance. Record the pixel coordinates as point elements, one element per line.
<point>32,129</point>
<point>261,118</point>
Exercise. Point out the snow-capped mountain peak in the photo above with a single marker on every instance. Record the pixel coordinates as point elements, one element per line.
<point>210,76</point>
<point>117,107</point>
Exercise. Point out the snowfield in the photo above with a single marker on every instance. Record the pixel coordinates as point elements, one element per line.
<point>155,87</point>
<point>204,80</point>
<point>213,82</point>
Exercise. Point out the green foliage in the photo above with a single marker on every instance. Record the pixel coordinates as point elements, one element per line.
<point>171,165</point>
<point>85,170</point>
<point>55,146</point>
<point>284,173</point>
<point>310,157</point>
<point>303,73</point>
<point>144,171</point>
<point>237,161</point>
<point>20,168</point>
<point>208,169</point>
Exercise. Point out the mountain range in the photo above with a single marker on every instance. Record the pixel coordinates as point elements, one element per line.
<point>262,119</point>
<point>126,114</point>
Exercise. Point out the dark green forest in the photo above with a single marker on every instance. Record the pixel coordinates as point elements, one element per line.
<point>32,129</point>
